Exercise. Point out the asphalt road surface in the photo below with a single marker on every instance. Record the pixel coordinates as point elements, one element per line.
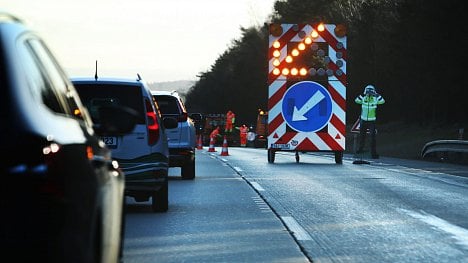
<point>240,208</point>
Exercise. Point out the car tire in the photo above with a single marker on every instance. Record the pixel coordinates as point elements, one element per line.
<point>160,199</point>
<point>188,170</point>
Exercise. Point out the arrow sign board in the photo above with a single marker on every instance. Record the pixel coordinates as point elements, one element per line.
<point>307,106</point>
<point>307,87</point>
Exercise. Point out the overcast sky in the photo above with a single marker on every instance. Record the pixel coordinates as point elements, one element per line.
<point>162,40</point>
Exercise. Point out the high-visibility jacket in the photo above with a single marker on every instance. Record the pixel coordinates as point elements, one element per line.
<point>369,106</point>
<point>243,130</point>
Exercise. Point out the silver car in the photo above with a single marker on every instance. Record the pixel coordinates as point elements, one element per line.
<point>182,139</point>
<point>143,154</point>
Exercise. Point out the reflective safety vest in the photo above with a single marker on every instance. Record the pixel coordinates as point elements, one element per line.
<point>243,130</point>
<point>369,106</point>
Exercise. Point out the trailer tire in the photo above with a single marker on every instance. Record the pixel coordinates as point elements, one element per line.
<point>271,156</point>
<point>339,157</point>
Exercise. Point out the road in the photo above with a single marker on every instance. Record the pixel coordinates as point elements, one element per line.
<point>240,208</point>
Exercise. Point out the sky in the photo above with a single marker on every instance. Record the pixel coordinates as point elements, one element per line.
<point>162,40</point>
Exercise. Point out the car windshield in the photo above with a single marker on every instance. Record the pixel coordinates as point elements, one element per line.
<point>94,96</point>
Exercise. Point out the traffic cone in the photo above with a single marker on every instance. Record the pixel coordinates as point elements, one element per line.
<point>211,148</point>
<point>199,144</point>
<point>224,151</point>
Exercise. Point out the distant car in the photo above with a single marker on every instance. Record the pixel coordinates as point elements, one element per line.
<point>143,154</point>
<point>62,194</point>
<point>182,139</point>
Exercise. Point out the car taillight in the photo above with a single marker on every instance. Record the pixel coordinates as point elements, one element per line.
<point>153,126</point>
<point>183,117</point>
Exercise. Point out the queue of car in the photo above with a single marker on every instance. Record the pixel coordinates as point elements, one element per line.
<point>75,147</point>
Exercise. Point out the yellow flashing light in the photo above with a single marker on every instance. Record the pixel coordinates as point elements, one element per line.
<point>320,27</point>
<point>276,53</point>
<point>308,40</point>
<point>303,71</point>
<point>314,34</point>
<point>276,44</point>
<point>289,59</point>
<point>285,71</point>
<point>301,46</point>
<point>276,62</point>
<point>294,71</point>
<point>276,71</point>
<point>295,52</point>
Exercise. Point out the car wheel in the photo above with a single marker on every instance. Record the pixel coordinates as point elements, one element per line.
<point>160,199</point>
<point>188,171</point>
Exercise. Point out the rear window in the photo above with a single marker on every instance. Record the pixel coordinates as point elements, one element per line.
<point>93,96</point>
<point>167,104</point>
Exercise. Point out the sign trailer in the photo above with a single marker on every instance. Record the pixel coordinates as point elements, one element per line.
<point>307,89</point>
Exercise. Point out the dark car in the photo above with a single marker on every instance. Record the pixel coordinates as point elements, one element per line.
<point>62,194</point>
<point>143,154</point>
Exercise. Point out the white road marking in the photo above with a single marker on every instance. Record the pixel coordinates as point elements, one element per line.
<point>295,228</point>
<point>459,234</point>
<point>238,169</point>
<point>257,186</point>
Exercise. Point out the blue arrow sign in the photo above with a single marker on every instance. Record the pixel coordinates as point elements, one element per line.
<point>307,106</point>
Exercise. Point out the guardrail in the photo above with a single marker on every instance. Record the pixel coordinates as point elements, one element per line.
<point>453,150</point>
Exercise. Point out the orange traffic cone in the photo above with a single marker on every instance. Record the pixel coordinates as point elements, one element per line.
<point>199,144</point>
<point>211,148</point>
<point>224,151</point>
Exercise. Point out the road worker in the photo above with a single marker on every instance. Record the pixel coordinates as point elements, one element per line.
<point>230,119</point>
<point>215,134</point>
<point>368,101</point>
<point>243,135</point>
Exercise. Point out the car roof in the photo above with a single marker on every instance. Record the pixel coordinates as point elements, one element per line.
<point>108,80</point>
<point>6,16</point>
<point>165,92</point>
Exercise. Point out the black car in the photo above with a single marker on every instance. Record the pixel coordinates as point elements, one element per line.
<point>62,194</point>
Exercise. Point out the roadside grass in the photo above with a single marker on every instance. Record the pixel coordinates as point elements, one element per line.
<point>406,140</point>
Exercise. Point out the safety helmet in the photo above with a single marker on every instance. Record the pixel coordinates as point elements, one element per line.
<point>369,89</point>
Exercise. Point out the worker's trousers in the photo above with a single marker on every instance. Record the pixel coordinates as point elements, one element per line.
<point>367,126</point>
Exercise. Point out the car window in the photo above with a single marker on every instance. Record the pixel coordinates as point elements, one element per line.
<point>56,77</point>
<point>167,104</point>
<point>95,96</point>
<point>41,88</point>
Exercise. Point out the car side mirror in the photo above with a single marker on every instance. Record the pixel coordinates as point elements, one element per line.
<point>116,120</point>
<point>170,122</point>
<point>195,116</point>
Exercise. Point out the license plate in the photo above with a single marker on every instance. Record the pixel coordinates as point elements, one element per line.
<point>110,141</point>
<point>280,146</point>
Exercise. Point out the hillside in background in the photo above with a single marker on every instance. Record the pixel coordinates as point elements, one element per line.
<point>181,86</point>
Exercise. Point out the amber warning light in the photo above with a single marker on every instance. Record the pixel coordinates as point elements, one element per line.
<point>307,57</point>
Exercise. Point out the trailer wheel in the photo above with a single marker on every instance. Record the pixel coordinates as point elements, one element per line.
<point>339,157</point>
<point>271,156</point>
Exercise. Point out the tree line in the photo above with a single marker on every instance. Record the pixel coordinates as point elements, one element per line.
<point>413,51</point>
